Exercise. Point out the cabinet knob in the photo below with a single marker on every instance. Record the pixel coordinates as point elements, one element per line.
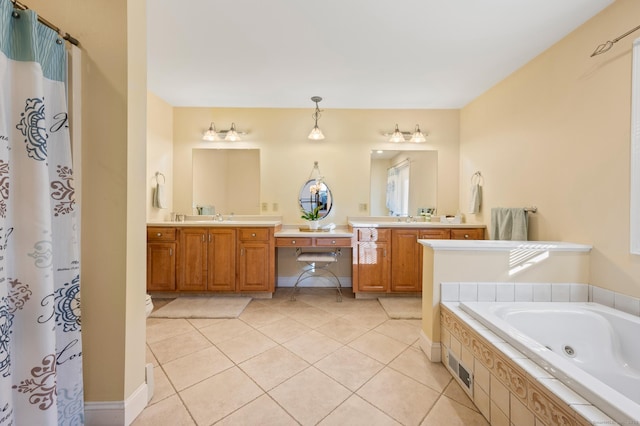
<point>293,241</point>
<point>159,234</point>
<point>253,234</point>
<point>333,241</point>
<point>466,236</point>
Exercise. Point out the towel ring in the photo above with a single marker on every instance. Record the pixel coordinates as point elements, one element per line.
<point>158,174</point>
<point>476,178</point>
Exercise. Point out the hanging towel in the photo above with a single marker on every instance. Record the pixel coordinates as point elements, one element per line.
<point>476,198</point>
<point>509,224</point>
<point>159,198</point>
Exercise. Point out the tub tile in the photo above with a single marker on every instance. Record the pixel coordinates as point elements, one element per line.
<point>532,369</point>
<point>449,292</point>
<point>481,375</point>
<point>565,394</point>
<point>592,415</point>
<point>579,293</point>
<point>499,395</point>
<point>498,417</point>
<point>504,292</point>
<point>627,304</point>
<point>482,401</point>
<point>523,292</point>
<point>602,296</point>
<point>542,292</point>
<point>519,413</point>
<point>509,351</point>
<point>486,292</point>
<point>468,292</point>
<point>560,292</point>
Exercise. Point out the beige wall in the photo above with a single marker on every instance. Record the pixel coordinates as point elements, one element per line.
<point>556,135</point>
<point>159,154</point>
<point>112,37</point>
<point>287,156</point>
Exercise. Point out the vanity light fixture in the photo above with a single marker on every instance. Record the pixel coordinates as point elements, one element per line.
<point>211,134</point>
<point>230,135</point>
<point>399,136</point>
<point>316,133</point>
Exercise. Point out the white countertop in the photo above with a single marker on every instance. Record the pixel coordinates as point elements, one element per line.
<point>499,245</point>
<point>419,225</point>
<point>209,223</point>
<point>295,232</point>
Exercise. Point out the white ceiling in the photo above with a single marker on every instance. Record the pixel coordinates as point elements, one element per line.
<point>354,53</point>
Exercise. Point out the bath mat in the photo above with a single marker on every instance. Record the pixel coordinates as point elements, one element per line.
<point>203,307</point>
<point>402,307</point>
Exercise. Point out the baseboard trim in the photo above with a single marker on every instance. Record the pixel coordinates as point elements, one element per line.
<point>116,413</point>
<point>432,350</point>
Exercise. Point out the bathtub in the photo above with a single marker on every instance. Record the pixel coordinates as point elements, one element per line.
<point>592,349</point>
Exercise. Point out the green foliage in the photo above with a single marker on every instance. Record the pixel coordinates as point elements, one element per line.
<point>311,215</point>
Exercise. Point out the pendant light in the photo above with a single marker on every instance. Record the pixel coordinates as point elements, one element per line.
<point>316,133</point>
<point>232,134</point>
<point>397,136</point>
<point>211,134</point>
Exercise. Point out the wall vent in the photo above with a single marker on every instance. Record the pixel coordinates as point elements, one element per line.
<point>460,372</point>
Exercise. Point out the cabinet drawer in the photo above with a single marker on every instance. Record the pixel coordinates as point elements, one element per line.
<point>373,234</point>
<point>333,242</point>
<point>467,234</point>
<point>434,234</point>
<point>253,234</point>
<point>161,234</point>
<point>293,242</point>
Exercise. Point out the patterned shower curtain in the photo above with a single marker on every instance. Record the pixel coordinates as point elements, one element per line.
<point>40,344</point>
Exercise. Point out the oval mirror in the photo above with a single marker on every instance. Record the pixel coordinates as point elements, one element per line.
<point>314,195</point>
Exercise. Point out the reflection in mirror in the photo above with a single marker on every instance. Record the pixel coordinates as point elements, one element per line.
<point>316,194</point>
<point>403,182</point>
<point>226,181</point>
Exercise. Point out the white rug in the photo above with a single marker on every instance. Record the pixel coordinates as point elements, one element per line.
<point>203,307</point>
<point>402,307</point>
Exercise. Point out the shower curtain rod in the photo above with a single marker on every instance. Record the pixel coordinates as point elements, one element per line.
<point>604,47</point>
<point>68,37</point>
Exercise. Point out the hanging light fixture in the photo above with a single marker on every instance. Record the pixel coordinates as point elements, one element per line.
<point>232,134</point>
<point>397,136</point>
<point>211,134</point>
<point>417,136</point>
<point>316,133</point>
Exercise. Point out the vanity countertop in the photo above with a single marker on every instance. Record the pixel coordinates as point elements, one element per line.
<point>225,223</point>
<point>288,231</point>
<point>404,224</point>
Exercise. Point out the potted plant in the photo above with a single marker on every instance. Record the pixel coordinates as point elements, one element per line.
<point>312,217</point>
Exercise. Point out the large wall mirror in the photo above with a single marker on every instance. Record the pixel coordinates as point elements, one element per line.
<point>403,182</point>
<point>316,195</point>
<point>227,181</point>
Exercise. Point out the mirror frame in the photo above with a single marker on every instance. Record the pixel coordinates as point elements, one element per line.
<point>306,191</point>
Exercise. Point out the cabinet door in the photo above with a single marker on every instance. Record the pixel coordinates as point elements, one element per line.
<point>221,260</point>
<point>161,266</point>
<point>373,267</point>
<point>405,260</point>
<point>192,269</point>
<point>254,259</point>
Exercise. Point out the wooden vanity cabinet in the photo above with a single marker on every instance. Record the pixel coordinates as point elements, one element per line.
<point>256,260</point>
<point>161,259</point>
<point>207,259</point>
<point>389,260</point>
<point>372,260</point>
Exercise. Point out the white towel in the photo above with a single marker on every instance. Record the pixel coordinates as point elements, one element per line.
<point>509,224</point>
<point>476,198</point>
<point>159,198</point>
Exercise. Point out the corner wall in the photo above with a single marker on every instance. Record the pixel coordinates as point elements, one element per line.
<point>556,135</point>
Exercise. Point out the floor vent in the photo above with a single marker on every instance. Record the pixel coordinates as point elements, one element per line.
<point>460,372</point>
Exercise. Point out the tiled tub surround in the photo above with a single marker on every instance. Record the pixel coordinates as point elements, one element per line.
<point>508,387</point>
<point>446,261</point>
<point>591,348</point>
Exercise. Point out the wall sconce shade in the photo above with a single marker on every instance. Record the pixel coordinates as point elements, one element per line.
<point>399,136</point>
<point>211,134</point>
<point>230,135</point>
<point>316,134</point>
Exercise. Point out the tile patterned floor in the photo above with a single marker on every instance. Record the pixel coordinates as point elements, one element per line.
<point>312,361</point>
